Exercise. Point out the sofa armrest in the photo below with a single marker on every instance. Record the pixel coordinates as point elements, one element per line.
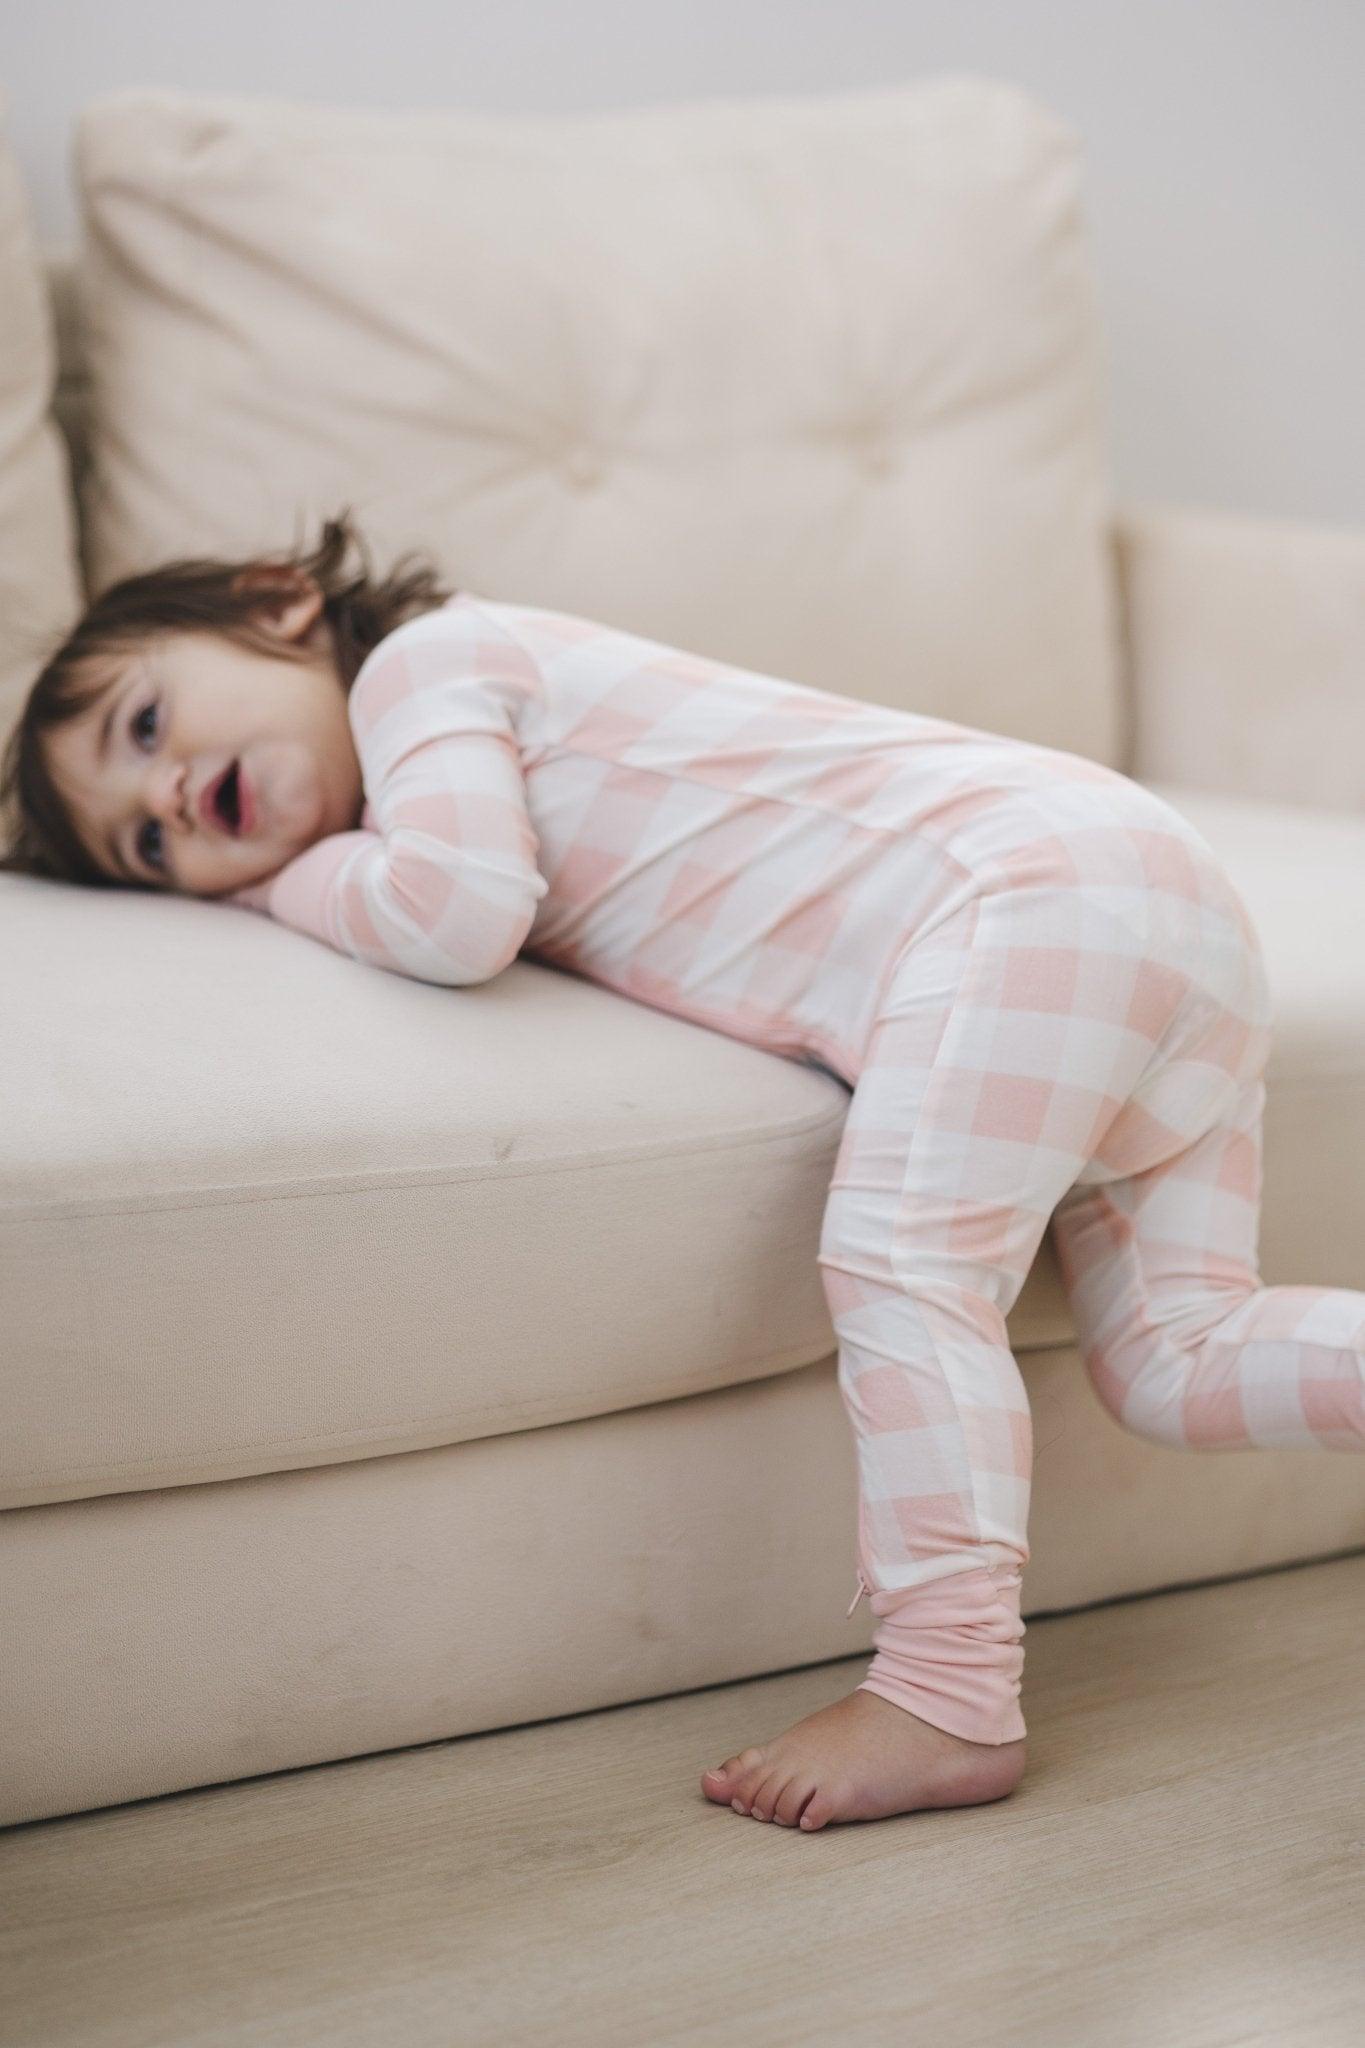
<point>1246,654</point>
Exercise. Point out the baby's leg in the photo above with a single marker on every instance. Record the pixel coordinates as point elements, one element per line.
<point>1008,1039</point>
<point>1182,1342</point>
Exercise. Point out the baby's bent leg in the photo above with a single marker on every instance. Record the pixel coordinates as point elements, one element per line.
<point>1182,1342</point>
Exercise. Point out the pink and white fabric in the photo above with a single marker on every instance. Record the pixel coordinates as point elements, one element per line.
<point>1044,993</point>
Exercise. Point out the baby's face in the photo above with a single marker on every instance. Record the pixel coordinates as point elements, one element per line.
<point>143,769</point>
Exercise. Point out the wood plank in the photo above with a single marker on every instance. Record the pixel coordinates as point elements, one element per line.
<point>1183,1865</point>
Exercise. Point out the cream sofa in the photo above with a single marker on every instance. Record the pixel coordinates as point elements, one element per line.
<point>386,1363</point>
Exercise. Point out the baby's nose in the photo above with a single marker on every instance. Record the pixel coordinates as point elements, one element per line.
<point>169,797</point>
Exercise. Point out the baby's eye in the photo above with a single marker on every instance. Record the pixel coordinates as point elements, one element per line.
<point>138,716</point>
<point>152,825</point>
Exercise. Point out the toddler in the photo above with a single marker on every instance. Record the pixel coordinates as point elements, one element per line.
<point>1044,994</point>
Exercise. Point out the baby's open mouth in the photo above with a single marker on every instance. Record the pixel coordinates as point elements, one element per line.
<point>226,799</point>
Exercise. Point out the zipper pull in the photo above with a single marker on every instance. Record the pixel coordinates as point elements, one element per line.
<point>862,1588</point>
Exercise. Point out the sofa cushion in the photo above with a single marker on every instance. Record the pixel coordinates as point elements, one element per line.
<point>346,1214</point>
<point>809,384</point>
<point>40,590</point>
<point>1301,874</point>
<point>266,1207</point>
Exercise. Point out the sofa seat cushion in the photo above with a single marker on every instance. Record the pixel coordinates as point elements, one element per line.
<point>266,1207</point>
<point>1301,874</point>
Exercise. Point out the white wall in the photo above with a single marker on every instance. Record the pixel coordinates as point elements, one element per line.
<point>1224,137</point>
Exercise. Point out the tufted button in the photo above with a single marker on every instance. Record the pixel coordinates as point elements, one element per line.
<point>583,467</point>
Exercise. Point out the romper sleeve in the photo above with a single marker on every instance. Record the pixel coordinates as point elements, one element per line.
<point>445,889</point>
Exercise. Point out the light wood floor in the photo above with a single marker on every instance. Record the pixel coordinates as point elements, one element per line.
<point>1182,1867</point>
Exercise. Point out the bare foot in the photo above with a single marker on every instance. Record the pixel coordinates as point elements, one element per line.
<point>862,1759</point>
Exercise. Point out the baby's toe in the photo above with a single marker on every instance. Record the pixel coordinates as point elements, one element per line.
<point>796,1792</point>
<point>742,1774</point>
<point>742,1764</point>
<point>768,1790</point>
<point>819,1810</point>
<point>716,1785</point>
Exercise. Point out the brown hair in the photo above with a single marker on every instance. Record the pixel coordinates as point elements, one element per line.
<point>192,594</point>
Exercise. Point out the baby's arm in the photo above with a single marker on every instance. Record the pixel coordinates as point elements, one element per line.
<point>446,890</point>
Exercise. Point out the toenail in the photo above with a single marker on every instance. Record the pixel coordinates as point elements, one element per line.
<point>738,1805</point>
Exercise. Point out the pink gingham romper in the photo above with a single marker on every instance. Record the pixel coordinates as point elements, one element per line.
<point>1045,995</point>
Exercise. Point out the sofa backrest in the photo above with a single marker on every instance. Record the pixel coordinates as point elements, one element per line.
<point>40,583</point>
<point>808,384</point>
<point>813,385</point>
<point>70,396</point>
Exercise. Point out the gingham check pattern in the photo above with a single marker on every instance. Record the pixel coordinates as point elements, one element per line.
<point>1043,991</point>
